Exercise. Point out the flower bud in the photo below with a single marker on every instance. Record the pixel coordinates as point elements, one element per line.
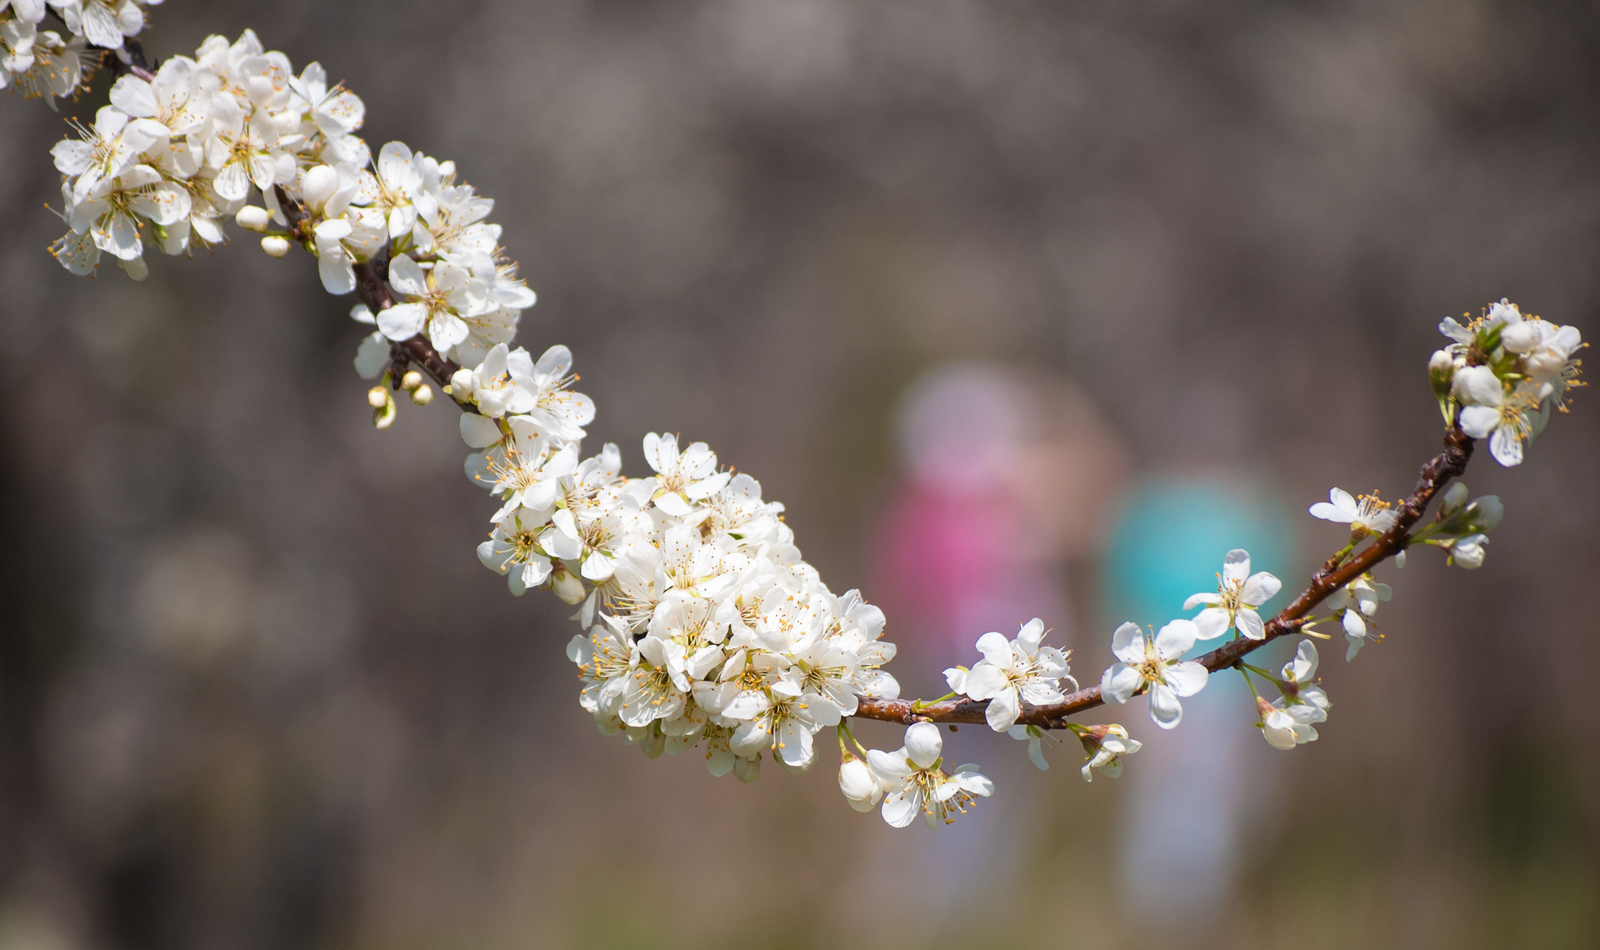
<point>1467,553</point>
<point>1484,514</point>
<point>411,380</point>
<point>746,770</point>
<point>422,395</point>
<point>859,785</point>
<point>1477,386</point>
<point>1277,727</point>
<point>253,218</point>
<point>1454,497</point>
<point>566,586</point>
<point>383,408</point>
<point>1520,337</point>
<point>276,245</point>
<point>1441,367</point>
<point>318,185</point>
<point>461,384</point>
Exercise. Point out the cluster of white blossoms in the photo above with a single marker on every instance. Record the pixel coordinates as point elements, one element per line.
<point>44,62</point>
<point>702,626</point>
<point>235,132</point>
<point>1502,374</point>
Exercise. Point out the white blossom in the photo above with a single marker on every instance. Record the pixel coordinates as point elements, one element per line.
<point>1366,515</point>
<point>16,48</point>
<point>914,782</point>
<point>28,11</point>
<point>1015,672</point>
<point>102,22</point>
<point>1489,412</point>
<point>57,67</point>
<point>859,783</point>
<point>1154,663</point>
<point>503,383</point>
<point>1467,551</point>
<point>1355,604</point>
<point>517,548</point>
<point>175,99</point>
<point>562,412</point>
<point>1106,745</point>
<point>1234,604</point>
<point>335,111</point>
<point>685,478</point>
<point>435,301</point>
<point>1289,720</point>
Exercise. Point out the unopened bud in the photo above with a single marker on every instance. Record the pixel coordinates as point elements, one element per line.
<point>378,397</point>
<point>1520,337</point>
<point>253,218</point>
<point>860,787</point>
<point>1484,514</point>
<point>461,383</point>
<point>1441,368</point>
<point>566,586</point>
<point>422,395</point>
<point>1454,497</point>
<point>276,245</point>
<point>1092,737</point>
<point>411,380</point>
<point>317,185</point>
<point>1467,552</point>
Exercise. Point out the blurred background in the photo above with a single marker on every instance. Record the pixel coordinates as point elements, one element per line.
<point>1033,308</point>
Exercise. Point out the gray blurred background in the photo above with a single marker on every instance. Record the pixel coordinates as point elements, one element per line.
<point>257,692</point>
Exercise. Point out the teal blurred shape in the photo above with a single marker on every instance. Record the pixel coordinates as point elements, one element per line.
<point>1171,537</point>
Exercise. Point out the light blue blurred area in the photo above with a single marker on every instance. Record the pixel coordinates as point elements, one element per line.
<point>1171,538</point>
<point>1188,806</point>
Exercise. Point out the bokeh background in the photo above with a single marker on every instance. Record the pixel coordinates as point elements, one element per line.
<point>1174,266</point>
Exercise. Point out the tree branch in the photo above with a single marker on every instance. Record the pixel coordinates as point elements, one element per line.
<point>1331,576</point>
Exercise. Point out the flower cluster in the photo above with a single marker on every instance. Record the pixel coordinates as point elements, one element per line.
<point>1289,720</point>
<point>175,155</point>
<point>44,63</point>
<point>702,623</point>
<point>1501,375</point>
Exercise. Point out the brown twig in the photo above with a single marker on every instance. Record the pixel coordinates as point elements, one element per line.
<point>372,288</point>
<point>135,66</point>
<point>374,291</point>
<point>1333,575</point>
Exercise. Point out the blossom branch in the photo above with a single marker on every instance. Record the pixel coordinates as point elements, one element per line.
<point>702,626</point>
<point>1333,575</point>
